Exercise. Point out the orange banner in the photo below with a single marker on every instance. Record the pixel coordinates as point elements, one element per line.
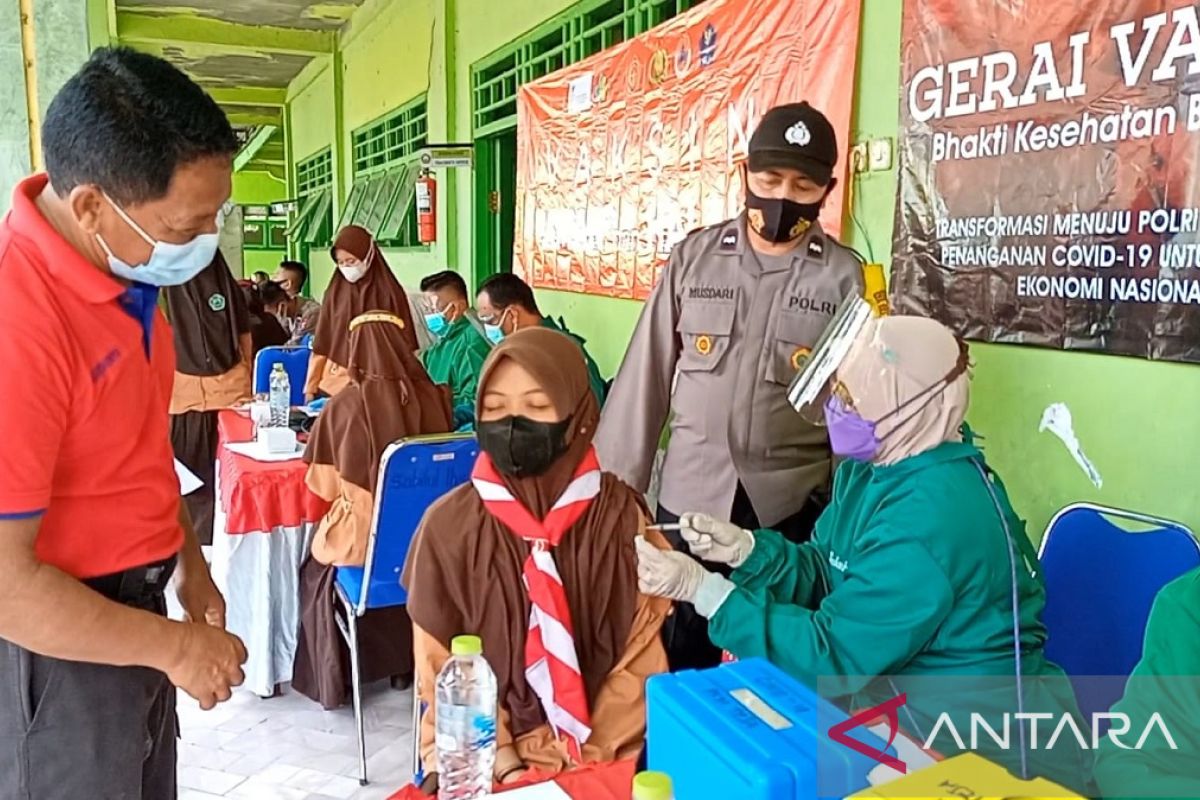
<point>621,155</point>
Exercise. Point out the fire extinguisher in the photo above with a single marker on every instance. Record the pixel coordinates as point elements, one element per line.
<point>426,208</point>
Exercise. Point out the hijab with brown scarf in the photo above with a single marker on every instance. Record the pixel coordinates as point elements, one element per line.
<point>464,571</point>
<point>377,289</point>
<point>390,397</point>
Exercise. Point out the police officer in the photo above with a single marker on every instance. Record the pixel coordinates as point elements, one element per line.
<point>739,305</point>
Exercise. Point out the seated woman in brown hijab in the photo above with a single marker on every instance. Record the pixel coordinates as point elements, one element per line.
<point>363,281</point>
<point>540,536</point>
<point>390,397</point>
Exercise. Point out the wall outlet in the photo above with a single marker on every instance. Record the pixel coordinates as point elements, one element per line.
<point>880,157</point>
<point>859,158</point>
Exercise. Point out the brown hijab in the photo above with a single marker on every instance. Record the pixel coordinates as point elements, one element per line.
<point>464,569</point>
<point>390,397</point>
<point>378,289</point>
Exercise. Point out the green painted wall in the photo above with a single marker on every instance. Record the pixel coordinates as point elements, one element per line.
<point>1012,385</point>
<point>265,260</point>
<point>257,188</point>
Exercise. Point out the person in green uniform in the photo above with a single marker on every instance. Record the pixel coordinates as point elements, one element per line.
<point>506,305</point>
<point>1165,682</point>
<point>457,356</point>
<point>919,577</point>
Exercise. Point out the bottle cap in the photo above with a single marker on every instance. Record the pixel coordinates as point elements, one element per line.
<point>466,646</point>
<point>652,786</point>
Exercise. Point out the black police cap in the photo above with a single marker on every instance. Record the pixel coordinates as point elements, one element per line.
<point>795,136</point>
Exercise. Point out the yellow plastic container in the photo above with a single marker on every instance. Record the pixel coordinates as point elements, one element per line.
<point>970,776</point>
<point>875,289</point>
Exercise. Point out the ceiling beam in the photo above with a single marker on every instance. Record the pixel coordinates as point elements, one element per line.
<point>251,118</point>
<point>182,29</point>
<point>251,148</point>
<point>247,96</point>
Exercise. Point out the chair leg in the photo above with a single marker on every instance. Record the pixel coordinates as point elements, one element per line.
<point>356,689</point>
<point>417,771</point>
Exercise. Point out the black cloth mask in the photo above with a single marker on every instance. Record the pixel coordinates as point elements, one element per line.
<point>778,219</point>
<point>521,447</point>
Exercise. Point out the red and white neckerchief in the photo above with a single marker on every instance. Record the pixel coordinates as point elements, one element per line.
<point>551,662</point>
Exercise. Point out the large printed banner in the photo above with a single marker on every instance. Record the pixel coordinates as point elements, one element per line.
<point>1048,192</point>
<point>621,155</point>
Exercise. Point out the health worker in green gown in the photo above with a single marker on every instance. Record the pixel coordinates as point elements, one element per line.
<point>456,357</point>
<point>919,578</point>
<point>1165,682</point>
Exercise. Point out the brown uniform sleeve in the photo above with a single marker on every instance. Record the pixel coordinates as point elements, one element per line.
<point>316,371</point>
<point>345,530</point>
<point>637,406</point>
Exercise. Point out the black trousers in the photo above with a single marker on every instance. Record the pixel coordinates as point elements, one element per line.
<point>70,730</point>
<point>685,633</point>
<point>194,439</point>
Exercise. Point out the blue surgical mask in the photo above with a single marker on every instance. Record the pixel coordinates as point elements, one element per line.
<point>437,323</point>
<point>169,264</point>
<point>495,333</point>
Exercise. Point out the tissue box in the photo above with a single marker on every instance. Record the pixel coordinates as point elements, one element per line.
<point>749,731</point>
<point>966,775</point>
<point>277,440</point>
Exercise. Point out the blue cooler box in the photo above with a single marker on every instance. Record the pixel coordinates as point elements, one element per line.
<point>747,731</point>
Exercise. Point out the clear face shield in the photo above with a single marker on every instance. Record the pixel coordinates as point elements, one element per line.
<point>814,382</point>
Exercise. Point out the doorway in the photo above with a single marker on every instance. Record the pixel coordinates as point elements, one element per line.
<point>495,203</point>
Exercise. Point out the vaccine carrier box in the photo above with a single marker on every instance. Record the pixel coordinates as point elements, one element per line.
<point>747,730</point>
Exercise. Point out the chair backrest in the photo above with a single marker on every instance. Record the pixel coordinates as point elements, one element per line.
<point>413,473</point>
<point>295,362</point>
<point>1103,568</point>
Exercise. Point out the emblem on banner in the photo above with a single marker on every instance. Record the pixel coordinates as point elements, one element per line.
<point>798,134</point>
<point>708,45</point>
<point>217,302</point>
<point>633,79</point>
<point>659,63</point>
<point>704,344</point>
<point>600,89</point>
<point>683,58</point>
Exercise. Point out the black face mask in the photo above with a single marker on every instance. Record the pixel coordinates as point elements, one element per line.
<point>778,219</point>
<point>521,447</point>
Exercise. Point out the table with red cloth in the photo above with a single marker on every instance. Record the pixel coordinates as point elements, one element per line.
<point>262,532</point>
<point>592,782</point>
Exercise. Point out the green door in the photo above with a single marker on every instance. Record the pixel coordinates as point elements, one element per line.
<point>495,203</point>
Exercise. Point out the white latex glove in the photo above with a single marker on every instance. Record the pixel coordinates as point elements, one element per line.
<point>666,573</point>
<point>713,540</point>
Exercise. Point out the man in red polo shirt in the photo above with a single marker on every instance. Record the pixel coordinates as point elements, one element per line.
<point>91,524</point>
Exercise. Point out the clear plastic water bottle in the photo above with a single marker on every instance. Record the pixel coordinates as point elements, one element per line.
<point>281,397</point>
<point>466,722</point>
<point>652,786</point>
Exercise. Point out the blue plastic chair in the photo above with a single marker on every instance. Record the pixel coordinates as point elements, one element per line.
<point>413,473</point>
<point>295,363</point>
<point>1101,579</point>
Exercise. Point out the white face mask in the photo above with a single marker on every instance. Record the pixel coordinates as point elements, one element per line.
<point>355,273</point>
<point>169,264</point>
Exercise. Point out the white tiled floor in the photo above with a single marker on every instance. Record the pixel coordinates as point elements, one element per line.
<point>288,748</point>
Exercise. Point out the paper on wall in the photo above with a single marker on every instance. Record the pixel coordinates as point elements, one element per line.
<point>1057,420</point>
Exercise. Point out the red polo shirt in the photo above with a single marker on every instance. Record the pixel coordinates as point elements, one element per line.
<point>86,367</point>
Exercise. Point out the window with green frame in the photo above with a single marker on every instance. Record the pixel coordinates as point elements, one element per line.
<point>585,29</point>
<point>385,175</point>
<point>313,223</point>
